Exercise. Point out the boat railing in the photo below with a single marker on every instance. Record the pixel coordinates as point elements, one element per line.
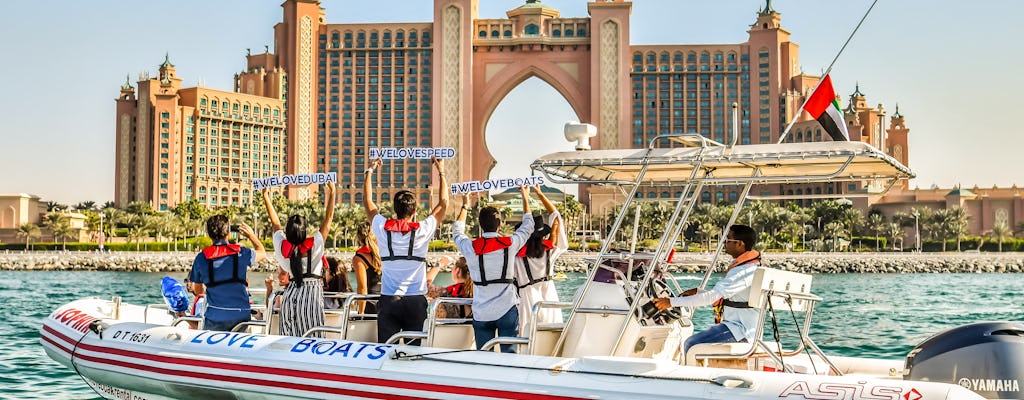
<point>155,306</point>
<point>348,313</point>
<point>433,325</point>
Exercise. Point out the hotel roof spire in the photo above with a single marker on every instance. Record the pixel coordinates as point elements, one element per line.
<point>767,8</point>
<point>127,83</point>
<point>167,60</point>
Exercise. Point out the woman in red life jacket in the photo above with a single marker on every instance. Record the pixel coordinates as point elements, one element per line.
<point>302,304</point>
<point>463,287</point>
<point>535,266</point>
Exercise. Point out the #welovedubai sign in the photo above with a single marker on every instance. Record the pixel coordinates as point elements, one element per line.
<point>297,179</point>
<point>398,153</point>
<point>495,184</point>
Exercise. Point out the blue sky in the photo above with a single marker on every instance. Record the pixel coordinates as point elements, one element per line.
<point>951,66</point>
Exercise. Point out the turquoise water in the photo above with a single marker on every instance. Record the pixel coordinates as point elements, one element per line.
<point>862,315</point>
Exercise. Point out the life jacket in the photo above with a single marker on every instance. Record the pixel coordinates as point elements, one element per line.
<point>721,304</point>
<point>192,310</point>
<point>219,251</point>
<point>401,226</point>
<point>487,245</point>
<point>306,247</point>
<point>529,271</point>
<point>455,290</point>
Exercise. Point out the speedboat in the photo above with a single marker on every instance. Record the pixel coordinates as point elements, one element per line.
<point>609,347</point>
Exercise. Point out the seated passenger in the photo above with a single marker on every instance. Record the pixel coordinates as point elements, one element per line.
<point>335,281</point>
<point>461,288</point>
<point>491,260</point>
<point>198,304</point>
<point>735,321</point>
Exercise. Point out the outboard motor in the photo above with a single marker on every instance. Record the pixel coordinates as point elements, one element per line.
<point>986,357</point>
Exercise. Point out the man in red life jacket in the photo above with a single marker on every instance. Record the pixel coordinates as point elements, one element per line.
<point>403,247</point>
<point>491,261</point>
<point>221,268</point>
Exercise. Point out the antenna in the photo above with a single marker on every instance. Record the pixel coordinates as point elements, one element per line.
<point>579,133</point>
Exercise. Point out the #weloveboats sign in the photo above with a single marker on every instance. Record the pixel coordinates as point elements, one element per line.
<point>495,184</point>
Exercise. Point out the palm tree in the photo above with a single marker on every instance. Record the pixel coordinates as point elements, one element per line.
<point>834,230</point>
<point>1000,231</point>
<point>876,223</point>
<point>571,210</point>
<point>85,206</point>
<point>52,219</point>
<point>28,231</point>
<point>62,229</point>
<point>893,231</point>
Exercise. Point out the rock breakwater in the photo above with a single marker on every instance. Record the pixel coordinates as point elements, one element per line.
<point>814,263</point>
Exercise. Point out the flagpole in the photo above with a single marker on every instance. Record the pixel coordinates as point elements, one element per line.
<point>829,69</point>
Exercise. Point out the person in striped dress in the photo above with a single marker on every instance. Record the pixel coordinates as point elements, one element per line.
<point>302,304</point>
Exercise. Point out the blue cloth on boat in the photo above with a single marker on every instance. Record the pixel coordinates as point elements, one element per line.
<point>174,294</point>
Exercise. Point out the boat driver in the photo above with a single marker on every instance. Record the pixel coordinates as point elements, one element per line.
<point>221,269</point>
<point>737,321</point>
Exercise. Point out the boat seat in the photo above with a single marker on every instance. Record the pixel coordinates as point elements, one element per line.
<point>453,336</point>
<point>723,348</point>
<point>785,290</point>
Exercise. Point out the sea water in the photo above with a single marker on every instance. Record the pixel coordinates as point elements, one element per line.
<point>875,315</point>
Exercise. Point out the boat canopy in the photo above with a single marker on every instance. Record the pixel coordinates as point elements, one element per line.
<point>717,164</point>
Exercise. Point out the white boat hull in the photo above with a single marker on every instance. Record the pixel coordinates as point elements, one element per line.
<point>134,360</point>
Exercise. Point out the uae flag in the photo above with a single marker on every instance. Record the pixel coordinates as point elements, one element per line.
<point>824,108</point>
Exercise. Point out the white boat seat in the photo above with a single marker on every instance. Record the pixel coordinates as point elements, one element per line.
<point>723,349</point>
<point>453,336</point>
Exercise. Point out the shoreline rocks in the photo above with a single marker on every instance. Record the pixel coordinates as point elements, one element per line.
<point>813,263</point>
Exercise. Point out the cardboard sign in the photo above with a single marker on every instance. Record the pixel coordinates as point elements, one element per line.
<point>297,179</point>
<point>495,184</point>
<point>393,153</point>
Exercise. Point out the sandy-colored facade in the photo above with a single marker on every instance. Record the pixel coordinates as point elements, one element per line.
<point>18,209</point>
<point>346,88</point>
<point>175,144</point>
<point>986,207</point>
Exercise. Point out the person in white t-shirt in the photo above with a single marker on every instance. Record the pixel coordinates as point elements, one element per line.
<point>302,304</point>
<point>403,246</point>
<point>491,261</point>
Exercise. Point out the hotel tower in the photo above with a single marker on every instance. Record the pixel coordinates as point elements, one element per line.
<point>329,92</point>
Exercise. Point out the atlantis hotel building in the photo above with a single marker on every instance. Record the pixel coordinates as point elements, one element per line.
<point>329,92</point>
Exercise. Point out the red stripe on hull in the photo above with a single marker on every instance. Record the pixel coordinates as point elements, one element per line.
<point>323,376</point>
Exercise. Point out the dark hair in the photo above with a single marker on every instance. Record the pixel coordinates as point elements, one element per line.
<point>295,233</point>
<point>339,279</point>
<point>490,219</point>
<point>535,244</point>
<point>217,227</point>
<point>467,281</point>
<point>745,234</point>
<point>404,204</point>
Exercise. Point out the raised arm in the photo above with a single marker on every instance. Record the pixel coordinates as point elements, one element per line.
<point>257,245</point>
<point>325,225</point>
<point>368,204</point>
<point>275,222</point>
<point>442,191</point>
<point>461,215</point>
<point>548,206</point>
<point>525,192</point>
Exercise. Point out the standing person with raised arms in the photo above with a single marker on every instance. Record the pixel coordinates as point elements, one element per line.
<point>535,265</point>
<point>491,262</point>
<point>403,246</point>
<point>302,304</point>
